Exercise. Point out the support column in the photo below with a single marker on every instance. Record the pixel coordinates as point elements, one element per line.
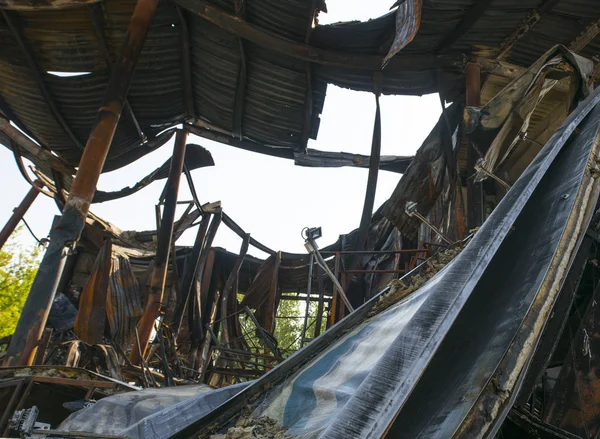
<point>63,237</point>
<point>19,212</point>
<point>474,190</point>
<point>158,278</point>
<point>367,212</point>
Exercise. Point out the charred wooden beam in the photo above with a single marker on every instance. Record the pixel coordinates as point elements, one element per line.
<point>68,230</point>
<point>99,24</point>
<point>349,60</point>
<point>154,302</point>
<point>12,20</point>
<point>465,25</point>
<point>589,35</point>
<point>474,190</point>
<point>19,212</point>
<point>43,5</point>
<point>528,23</point>
<point>186,65</point>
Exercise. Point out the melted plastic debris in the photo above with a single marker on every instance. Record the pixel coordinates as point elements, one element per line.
<point>254,428</point>
<point>400,289</point>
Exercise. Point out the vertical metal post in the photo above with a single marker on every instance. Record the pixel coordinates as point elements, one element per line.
<point>68,230</point>
<point>474,190</point>
<point>321,305</point>
<point>19,212</point>
<point>158,278</point>
<point>311,261</point>
<point>367,212</point>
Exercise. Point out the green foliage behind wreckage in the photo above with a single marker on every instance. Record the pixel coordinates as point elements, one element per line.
<point>18,266</point>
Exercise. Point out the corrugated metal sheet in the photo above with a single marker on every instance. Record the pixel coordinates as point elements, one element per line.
<point>276,90</point>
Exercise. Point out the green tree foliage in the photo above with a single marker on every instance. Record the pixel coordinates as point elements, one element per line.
<point>18,267</point>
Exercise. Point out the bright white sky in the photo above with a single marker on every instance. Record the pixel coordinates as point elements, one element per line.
<point>268,197</point>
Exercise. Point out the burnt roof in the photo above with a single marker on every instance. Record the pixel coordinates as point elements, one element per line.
<point>250,80</point>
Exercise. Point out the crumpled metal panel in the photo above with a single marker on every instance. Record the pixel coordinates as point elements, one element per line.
<point>420,367</point>
<point>408,20</point>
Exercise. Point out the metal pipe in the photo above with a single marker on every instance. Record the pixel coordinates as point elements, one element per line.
<point>19,212</point>
<point>154,303</point>
<point>308,291</point>
<point>68,230</point>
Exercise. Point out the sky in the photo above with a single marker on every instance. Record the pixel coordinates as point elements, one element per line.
<point>270,198</point>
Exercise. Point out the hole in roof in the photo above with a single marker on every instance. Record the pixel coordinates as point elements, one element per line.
<point>68,74</point>
<point>343,10</point>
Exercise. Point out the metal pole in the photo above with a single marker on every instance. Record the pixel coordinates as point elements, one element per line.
<point>68,230</point>
<point>19,212</point>
<point>308,291</point>
<point>158,277</point>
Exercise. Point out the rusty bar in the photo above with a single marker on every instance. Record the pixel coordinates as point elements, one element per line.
<point>68,230</point>
<point>154,303</point>
<point>41,350</point>
<point>229,292</point>
<point>19,212</point>
<point>474,190</point>
<point>190,271</point>
<point>311,264</point>
<point>321,304</point>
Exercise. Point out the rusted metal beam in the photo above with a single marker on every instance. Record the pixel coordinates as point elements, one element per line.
<point>528,23</point>
<point>190,272</point>
<point>91,315</point>
<point>229,293</point>
<point>12,20</point>
<point>349,60</point>
<point>474,190</point>
<point>99,24</point>
<point>465,25</point>
<point>43,5</point>
<point>68,230</point>
<point>19,211</point>
<point>158,278</point>
<point>186,65</point>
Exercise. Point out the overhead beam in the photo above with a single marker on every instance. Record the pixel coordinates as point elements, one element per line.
<point>43,5</point>
<point>507,70</point>
<point>349,60</point>
<point>526,25</point>
<point>30,150</point>
<point>465,25</point>
<point>12,20</point>
<point>589,35</point>
<point>99,24</point>
<point>312,158</point>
